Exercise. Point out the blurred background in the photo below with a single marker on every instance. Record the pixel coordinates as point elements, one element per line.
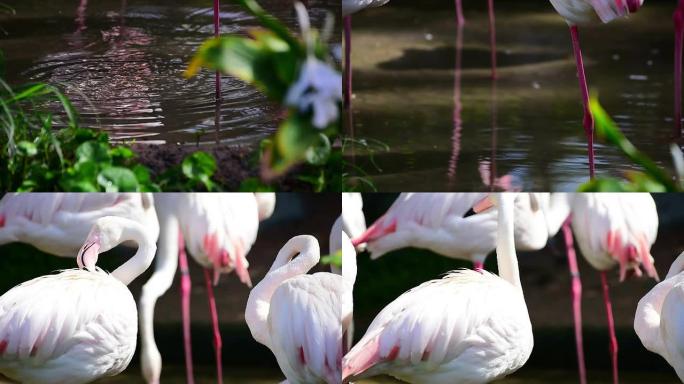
<point>546,284</point>
<point>244,360</point>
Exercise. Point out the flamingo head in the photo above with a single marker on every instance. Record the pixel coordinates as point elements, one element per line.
<point>631,255</point>
<point>225,259</point>
<point>102,237</point>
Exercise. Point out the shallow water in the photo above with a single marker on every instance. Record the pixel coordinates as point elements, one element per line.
<point>121,62</point>
<point>528,122</point>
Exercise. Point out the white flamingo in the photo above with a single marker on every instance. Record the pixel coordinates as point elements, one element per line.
<point>80,324</point>
<point>582,12</point>
<point>339,239</point>
<point>439,222</point>
<point>58,223</point>
<point>299,316</point>
<point>659,317</point>
<point>353,221</point>
<point>218,230</point>
<point>427,336</point>
<point>612,229</point>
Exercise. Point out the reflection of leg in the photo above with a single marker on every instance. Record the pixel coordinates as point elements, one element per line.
<point>460,20</point>
<point>611,327</point>
<point>217,33</point>
<point>588,121</point>
<point>576,298</point>
<point>185,304</point>
<point>492,37</point>
<point>218,345</point>
<point>347,61</point>
<point>458,122</point>
<point>679,41</point>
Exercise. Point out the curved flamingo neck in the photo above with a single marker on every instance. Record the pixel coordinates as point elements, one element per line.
<point>677,267</point>
<point>285,266</point>
<point>505,244</point>
<point>136,265</point>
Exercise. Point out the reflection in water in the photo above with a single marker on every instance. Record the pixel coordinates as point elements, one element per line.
<point>122,65</point>
<point>458,122</point>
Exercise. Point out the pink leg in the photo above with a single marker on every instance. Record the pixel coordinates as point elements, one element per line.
<point>679,38</point>
<point>576,298</point>
<point>218,344</point>
<point>611,327</point>
<point>478,265</point>
<point>492,37</point>
<point>347,61</point>
<point>588,121</point>
<point>217,33</point>
<point>185,305</point>
<point>460,20</point>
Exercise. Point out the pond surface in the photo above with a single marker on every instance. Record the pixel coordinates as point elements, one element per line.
<point>528,123</point>
<point>121,63</point>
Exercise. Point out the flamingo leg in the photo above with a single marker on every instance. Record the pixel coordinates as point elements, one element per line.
<point>185,305</point>
<point>611,327</point>
<point>679,39</point>
<point>492,37</point>
<point>460,20</point>
<point>588,120</point>
<point>576,298</point>
<point>218,344</point>
<point>217,33</point>
<point>347,61</point>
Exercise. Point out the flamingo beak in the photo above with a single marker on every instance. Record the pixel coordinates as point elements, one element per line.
<point>633,5</point>
<point>484,204</point>
<point>87,256</point>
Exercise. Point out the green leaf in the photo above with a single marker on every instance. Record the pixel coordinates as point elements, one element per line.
<point>318,154</point>
<point>254,184</point>
<point>200,167</point>
<point>26,148</point>
<point>335,259</point>
<point>121,152</point>
<point>118,179</point>
<point>292,142</point>
<point>93,151</point>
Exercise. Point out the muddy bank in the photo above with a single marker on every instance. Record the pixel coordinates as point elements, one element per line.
<point>233,164</point>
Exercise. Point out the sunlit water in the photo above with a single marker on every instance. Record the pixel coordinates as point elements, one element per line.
<point>121,63</point>
<point>529,122</point>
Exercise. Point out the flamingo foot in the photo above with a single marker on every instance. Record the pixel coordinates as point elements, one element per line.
<point>185,306</point>
<point>576,299</point>
<point>611,327</point>
<point>218,344</point>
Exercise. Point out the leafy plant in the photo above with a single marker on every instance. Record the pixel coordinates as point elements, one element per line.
<point>334,259</point>
<point>360,181</point>
<point>194,173</point>
<point>652,179</point>
<point>294,71</point>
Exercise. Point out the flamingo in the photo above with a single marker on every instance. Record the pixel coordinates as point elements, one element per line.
<point>658,318</point>
<point>339,237</point>
<point>353,220</point>
<point>439,222</point>
<point>57,223</point>
<point>578,12</point>
<point>218,230</point>
<point>80,324</point>
<point>611,229</point>
<point>427,336</point>
<point>299,316</point>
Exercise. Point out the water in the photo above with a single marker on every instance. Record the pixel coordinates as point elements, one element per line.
<point>121,62</point>
<point>528,124</point>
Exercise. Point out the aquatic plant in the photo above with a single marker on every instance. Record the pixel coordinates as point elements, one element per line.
<point>652,179</point>
<point>46,151</point>
<point>298,73</point>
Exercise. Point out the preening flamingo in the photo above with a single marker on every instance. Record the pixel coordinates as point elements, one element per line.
<point>611,229</point>
<point>580,12</point>
<point>440,222</point>
<point>58,223</point>
<point>218,230</point>
<point>427,336</point>
<point>298,316</point>
<point>659,317</point>
<point>80,324</point>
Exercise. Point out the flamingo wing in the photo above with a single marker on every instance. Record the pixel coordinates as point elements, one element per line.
<point>306,328</point>
<point>444,330</point>
<point>58,328</point>
<point>672,328</point>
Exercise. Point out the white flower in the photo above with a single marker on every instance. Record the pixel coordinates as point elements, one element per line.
<point>318,89</point>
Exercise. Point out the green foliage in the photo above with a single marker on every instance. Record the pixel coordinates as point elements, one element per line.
<point>271,59</point>
<point>653,179</point>
<point>360,181</point>
<point>335,259</point>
